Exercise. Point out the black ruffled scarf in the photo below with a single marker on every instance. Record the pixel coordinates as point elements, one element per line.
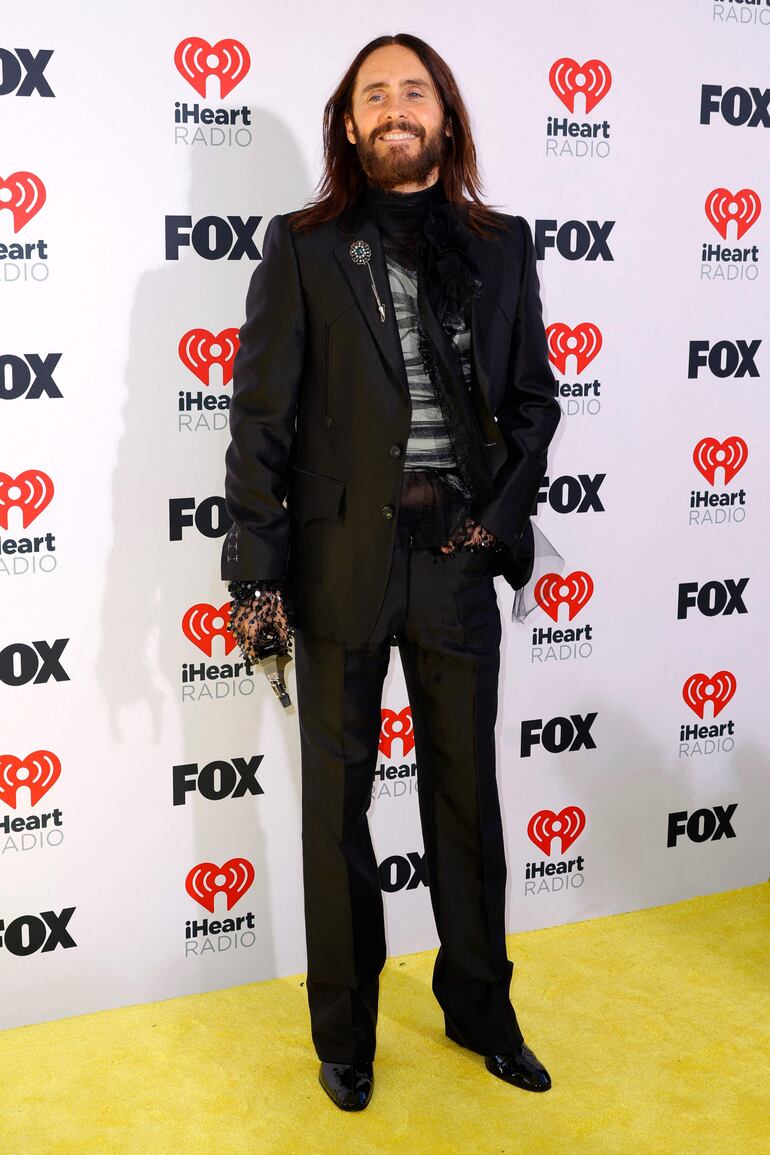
<point>423,231</point>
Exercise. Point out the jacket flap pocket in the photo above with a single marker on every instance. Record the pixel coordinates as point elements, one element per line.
<point>311,495</point>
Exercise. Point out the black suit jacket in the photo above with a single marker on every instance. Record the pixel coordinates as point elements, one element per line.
<point>321,411</point>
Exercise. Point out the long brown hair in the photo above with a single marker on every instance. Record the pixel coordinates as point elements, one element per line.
<point>343,178</point>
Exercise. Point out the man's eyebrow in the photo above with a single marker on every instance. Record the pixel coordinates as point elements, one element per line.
<point>384,84</point>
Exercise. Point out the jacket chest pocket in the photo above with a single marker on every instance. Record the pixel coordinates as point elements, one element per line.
<point>500,352</point>
<point>332,331</point>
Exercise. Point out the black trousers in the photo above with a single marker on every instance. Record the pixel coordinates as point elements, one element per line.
<point>443,613</point>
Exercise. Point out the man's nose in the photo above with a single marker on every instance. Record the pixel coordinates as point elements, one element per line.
<point>393,116</point>
<point>397,109</point>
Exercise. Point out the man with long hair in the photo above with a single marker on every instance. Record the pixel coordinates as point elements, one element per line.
<point>392,410</point>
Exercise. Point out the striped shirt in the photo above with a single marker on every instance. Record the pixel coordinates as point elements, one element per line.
<point>429,444</point>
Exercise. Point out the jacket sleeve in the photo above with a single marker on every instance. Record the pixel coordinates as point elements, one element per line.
<point>529,413</point>
<point>266,379</point>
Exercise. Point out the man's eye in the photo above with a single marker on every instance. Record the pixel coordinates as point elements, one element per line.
<point>416,92</point>
<point>374,96</point>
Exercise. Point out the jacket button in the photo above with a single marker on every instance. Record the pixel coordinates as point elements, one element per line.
<point>387,511</point>
<point>395,451</point>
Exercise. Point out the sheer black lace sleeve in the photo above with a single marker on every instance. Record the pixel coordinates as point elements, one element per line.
<point>258,619</point>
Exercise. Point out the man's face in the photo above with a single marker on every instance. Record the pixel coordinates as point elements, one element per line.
<point>396,121</point>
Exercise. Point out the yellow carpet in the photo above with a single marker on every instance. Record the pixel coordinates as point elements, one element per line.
<point>654,1026</point>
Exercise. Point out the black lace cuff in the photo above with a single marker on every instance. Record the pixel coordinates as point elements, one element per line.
<point>242,592</point>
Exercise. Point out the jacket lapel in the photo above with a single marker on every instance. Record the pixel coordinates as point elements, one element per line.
<point>482,305</point>
<point>483,333</point>
<point>385,332</point>
<point>484,311</point>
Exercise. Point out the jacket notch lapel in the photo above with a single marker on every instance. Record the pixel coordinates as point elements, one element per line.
<point>385,332</point>
<point>484,310</point>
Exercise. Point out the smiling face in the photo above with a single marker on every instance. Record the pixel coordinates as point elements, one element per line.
<point>396,121</point>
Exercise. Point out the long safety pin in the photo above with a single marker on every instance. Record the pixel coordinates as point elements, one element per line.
<point>361,254</point>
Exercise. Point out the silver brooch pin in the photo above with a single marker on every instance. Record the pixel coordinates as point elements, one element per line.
<point>361,254</point>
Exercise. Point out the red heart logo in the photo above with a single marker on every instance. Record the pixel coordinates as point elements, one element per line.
<point>574,590</point>
<point>743,207</point>
<point>709,454</point>
<point>38,771</point>
<point>30,492</point>
<point>24,194</point>
<point>196,60</point>
<point>396,726</point>
<point>202,623</point>
<point>567,825</point>
<point>199,350</point>
<point>700,689</point>
<point>583,343</point>
<point>206,880</point>
<point>567,78</point>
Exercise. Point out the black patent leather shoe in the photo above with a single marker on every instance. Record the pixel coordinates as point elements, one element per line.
<point>520,1068</point>
<point>348,1085</point>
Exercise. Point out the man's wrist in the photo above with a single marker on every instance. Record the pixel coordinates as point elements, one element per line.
<point>242,592</point>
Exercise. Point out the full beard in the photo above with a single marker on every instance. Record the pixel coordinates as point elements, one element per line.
<point>398,165</point>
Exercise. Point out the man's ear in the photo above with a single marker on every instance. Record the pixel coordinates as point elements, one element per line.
<point>349,128</point>
<point>448,126</point>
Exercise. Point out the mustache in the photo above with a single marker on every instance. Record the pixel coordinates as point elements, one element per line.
<point>402,126</point>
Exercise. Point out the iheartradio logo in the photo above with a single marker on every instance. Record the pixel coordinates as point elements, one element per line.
<point>202,623</point>
<point>199,350</point>
<point>729,455</point>
<point>23,194</point>
<point>38,772</point>
<point>396,725</point>
<point>699,689</point>
<point>30,492</point>
<point>743,207</point>
<point>567,825</point>
<point>196,60</point>
<point>583,343</point>
<point>205,881</point>
<point>573,590</point>
<point>567,78</point>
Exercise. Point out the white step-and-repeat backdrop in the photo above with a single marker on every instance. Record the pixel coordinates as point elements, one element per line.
<point>149,781</point>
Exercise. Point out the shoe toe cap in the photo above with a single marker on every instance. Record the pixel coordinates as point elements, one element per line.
<point>520,1068</point>
<point>539,1080</point>
<point>348,1085</point>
